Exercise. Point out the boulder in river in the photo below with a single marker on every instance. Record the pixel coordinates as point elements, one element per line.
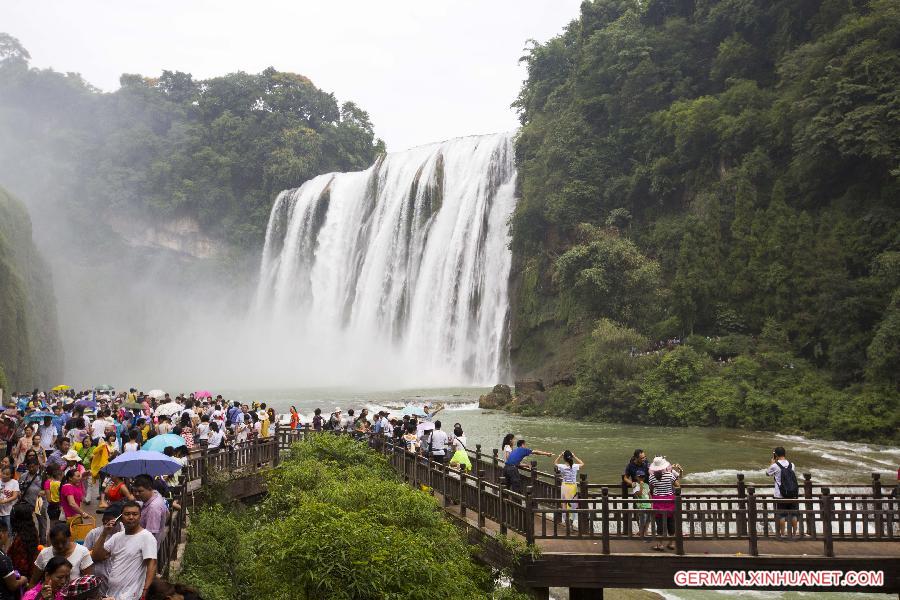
<point>499,397</point>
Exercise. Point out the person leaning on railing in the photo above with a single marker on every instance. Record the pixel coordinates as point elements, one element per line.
<point>511,468</point>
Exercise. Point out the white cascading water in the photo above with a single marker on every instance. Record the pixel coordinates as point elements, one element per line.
<point>400,270</point>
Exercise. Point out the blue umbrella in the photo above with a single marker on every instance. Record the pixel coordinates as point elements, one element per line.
<point>86,403</point>
<point>38,416</point>
<point>413,411</point>
<point>142,462</point>
<point>161,442</point>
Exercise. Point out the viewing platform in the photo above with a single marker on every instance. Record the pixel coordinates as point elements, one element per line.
<point>842,527</point>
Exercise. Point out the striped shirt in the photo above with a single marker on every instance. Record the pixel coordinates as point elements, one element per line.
<point>664,484</point>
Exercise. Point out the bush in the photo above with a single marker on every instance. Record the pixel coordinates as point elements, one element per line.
<point>336,524</point>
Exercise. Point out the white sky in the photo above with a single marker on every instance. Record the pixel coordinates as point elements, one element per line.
<point>425,70</point>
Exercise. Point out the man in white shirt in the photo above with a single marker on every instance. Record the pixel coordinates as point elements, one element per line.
<point>439,440</point>
<point>781,469</point>
<point>110,513</point>
<point>133,554</point>
<point>98,427</point>
<point>47,431</point>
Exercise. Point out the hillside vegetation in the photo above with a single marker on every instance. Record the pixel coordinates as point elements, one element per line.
<point>709,227</point>
<point>336,524</point>
<point>216,150</point>
<point>30,353</point>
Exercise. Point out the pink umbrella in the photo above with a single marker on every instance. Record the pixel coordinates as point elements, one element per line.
<point>202,394</point>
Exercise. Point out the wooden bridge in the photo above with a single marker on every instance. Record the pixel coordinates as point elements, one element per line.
<point>850,530</point>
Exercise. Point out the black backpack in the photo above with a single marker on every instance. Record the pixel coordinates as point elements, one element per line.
<point>788,487</point>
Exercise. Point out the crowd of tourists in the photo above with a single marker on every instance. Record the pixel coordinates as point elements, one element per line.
<point>56,482</point>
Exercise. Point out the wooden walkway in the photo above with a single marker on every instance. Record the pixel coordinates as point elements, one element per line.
<point>845,527</point>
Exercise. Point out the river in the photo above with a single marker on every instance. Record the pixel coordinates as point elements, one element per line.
<point>708,455</point>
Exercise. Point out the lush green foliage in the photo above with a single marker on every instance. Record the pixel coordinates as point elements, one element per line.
<point>216,150</point>
<point>744,159</point>
<point>336,524</point>
<point>29,344</point>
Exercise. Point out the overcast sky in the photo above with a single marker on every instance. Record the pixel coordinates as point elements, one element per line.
<point>425,70</point>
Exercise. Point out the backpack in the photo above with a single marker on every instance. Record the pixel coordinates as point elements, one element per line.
<point>788,487</point>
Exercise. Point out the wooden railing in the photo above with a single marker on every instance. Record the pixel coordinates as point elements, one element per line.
<point>861,512</point>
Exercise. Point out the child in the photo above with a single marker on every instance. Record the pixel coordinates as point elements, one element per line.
<point>641,491</point>
<point>51,490</point>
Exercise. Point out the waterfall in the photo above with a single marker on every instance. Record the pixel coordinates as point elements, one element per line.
<point>403,267</point>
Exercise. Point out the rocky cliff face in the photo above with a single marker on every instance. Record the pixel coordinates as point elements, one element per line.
<point>30,350</point>
<point>182,235</point>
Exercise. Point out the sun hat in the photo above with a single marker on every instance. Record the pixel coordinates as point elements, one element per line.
<point>82,585</point>
<point>72,455</point>
<point>660,464</point>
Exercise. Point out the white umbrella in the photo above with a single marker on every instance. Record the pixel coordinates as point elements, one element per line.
<point>168,409</point>
<point>423,427</point>
<point>156,394</point>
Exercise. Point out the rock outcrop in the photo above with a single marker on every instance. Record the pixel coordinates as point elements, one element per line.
<point>499,397</point>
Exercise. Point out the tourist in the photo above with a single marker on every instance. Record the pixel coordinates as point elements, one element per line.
<point>23,445</point>
<point>507,445</point>
<point>52,484</point>
<point>641,491</point>
<point>84,588</point>
<point>58,456</point>
<point>100,457</point>
<point>9,495</point>
<point>203,430</point>
<point>38,450</point>
<point>568,465</point>
<point>133,553</point>
<point>98,427</point>
<point>460,456</point>
<point>154,511</point>
<point>23,549</point>
<point>186,430</point>
<point>295,418</point>
<point>511,468</point>
<point>12,580</point>
<point>57,575</point>
<point>317,420</point>
<point>786,488</point>
<point>110,514</point>
<point>410,439</point>
<point>663,479</point>
<point>638,463</point>
<point>71,495</point>
<point>47,433</point>
<point>63,546</point>
<point>439,444</point>
<point>132,445</point>
<point>117,490</point>
<point>216,437</point>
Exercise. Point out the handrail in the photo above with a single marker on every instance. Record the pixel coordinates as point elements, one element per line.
<point>604,512</point>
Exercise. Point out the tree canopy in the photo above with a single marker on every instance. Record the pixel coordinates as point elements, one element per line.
<point>217,150</point>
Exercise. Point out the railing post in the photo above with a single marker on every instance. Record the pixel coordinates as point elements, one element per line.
<point>277,458</point>
<point>501,488</point>
<point>742,493</point>
<point>495,467</point>
<point>827,508</point>
<point>557,484</point>
<point>877,505</point>
<point>477,457</point>
<point>751,521</point>
<point>204,467</point>
<point>481,492</point>
<point>529,515</point>
<point>604,524</point>
<point>626,517</point>
<point>808,505</point>
<point>679,534</point>
<point>587,522</point>
<point>462,490</point>
<point>445,489</point>
<point>533,474</point>
<point>429,467</point>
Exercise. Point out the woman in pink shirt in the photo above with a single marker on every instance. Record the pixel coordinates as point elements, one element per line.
<point>71,494</point>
